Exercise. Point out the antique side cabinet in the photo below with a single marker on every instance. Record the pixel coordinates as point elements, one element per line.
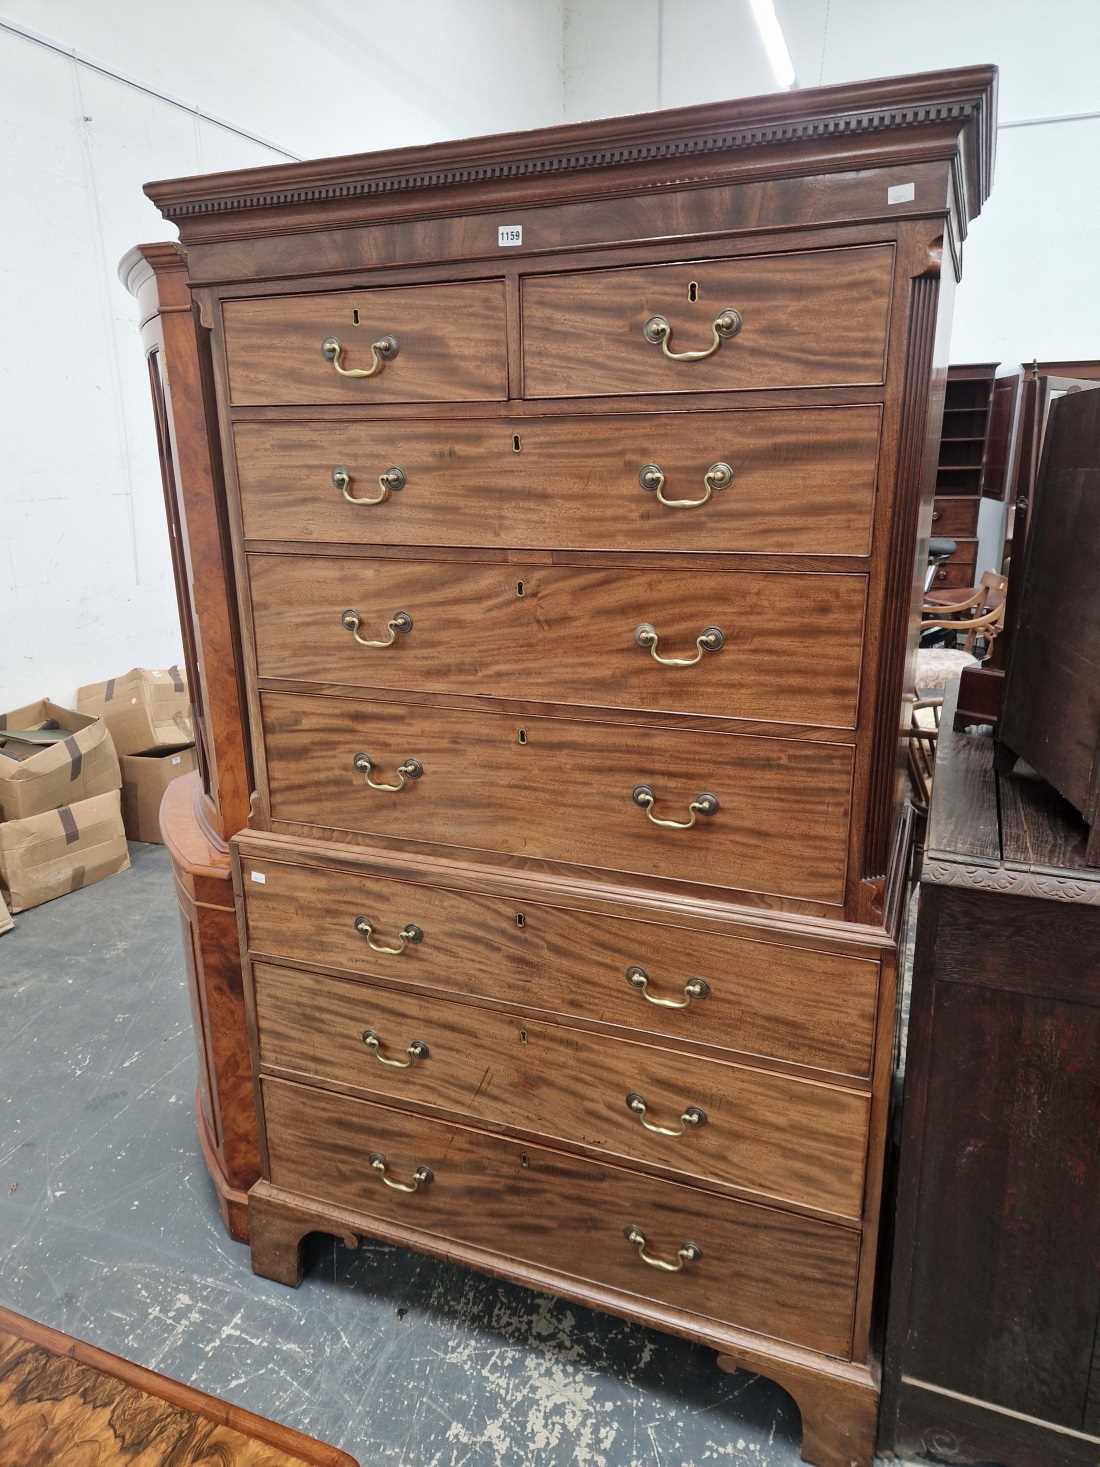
<point>577,482</point>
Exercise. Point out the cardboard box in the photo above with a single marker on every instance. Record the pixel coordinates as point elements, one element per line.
<point>35,777</point>
<point>49,855</point>
<point>146,708</point>
<point>145,777</point>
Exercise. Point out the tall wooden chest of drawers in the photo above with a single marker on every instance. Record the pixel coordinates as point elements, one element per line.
<point>577,482</point>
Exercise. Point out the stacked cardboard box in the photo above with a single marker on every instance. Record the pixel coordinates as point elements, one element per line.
<point>148,713</point>
<point>59,804</point>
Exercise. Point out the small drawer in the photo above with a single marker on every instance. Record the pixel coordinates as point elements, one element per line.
<point>740,644</point>
<point>763,814</point>
<point>785,1138</point>
<point>954,575</point>
<point>964,553</point>
<point>815,318</point>
<point>952,518</point>
<point>758,1268</point>
<point>570,483</point>
<point>423,343</point>
<point>642,975</point>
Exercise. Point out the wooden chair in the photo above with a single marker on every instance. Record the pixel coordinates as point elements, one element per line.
<point>989,592</point>
<point>922,735</point>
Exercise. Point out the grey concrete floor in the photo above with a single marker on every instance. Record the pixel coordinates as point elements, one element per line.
<point>110,1232</point>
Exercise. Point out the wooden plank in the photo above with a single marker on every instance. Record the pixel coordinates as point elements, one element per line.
<point>1039,829</point>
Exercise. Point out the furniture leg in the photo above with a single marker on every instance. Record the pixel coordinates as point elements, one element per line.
<point>276,1231</point>
<point>839,1413</point>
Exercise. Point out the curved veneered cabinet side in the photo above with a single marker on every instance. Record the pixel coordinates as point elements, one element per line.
<point>203,810</point>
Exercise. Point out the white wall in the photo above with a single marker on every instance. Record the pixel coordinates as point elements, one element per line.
<point>1029,287</point>
<point>85,575</point>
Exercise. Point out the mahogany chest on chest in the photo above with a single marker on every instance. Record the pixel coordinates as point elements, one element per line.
<point>577,482</point>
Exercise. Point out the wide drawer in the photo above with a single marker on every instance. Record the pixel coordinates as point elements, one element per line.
<point>803,481</point>
<point>786,1138</point>
<point>790,643</point>
<point>761,1269</point>
<point>450,345</point>
<point>568,790</point>
<point>814,318</point>
<point>806,1007</point>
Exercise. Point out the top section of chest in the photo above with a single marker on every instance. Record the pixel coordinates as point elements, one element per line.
<point>840,167</point>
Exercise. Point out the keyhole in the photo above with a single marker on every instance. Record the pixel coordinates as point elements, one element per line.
<point>521,589</point>
<point>524,1160</point>
<point>515,443</point>
<point>355,315</point>
<point>523,1036</point>
<point>521,920</point>
<point>693,290</point>
<point>521,738</point>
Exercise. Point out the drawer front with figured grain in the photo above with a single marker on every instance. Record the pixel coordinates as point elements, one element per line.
<point>756,997</point>
<point>791,480</point>
<point>787,1138</point>
<point>815,318</point>
<point>755,1267</point>
<point>784,647</point>
<point>760,814</point>
<point>421,343</point>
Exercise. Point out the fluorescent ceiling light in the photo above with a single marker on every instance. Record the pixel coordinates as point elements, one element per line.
<point>775,44</point>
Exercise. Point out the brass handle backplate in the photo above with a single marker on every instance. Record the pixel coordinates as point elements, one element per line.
<point>710,639</point>
<point>703,804</point>
<point>381,351</point>
<point>400,621</point>
<point>694,988</point>
<point>417,1050</point>
<point>685,1254</point>
<point>691,1117</point>
<point>409,933</point>
<point>393,478</point>
<point>658,330</point>
<point>411,769</point>
<point>421,1177</point>
<point>718,476</point>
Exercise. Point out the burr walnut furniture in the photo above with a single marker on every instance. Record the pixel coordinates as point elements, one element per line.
<point>202,810</point>
<point>64,1401</point>
<point>577,483</point>
<point>995,1299</point>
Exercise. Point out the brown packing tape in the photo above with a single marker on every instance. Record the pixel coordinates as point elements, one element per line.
<point>68,825</point>
<point>78,878</point>
<point>76,758</point>
<point>110,690</point>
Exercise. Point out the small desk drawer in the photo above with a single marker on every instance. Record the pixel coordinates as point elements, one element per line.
<point>759,1268</point>
<point>567,790</point>
<point>811,319</point>
<point>785,1138</point>
<point>448,345</point>
<point>756,997</point>
<point>787,647</point>
<point>803,481</point>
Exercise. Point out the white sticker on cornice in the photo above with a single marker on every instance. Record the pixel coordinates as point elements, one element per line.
<point>509,234</point>
<point>901,193</point>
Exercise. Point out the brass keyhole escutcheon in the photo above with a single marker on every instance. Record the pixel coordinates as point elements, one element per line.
<point>521,735</point>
